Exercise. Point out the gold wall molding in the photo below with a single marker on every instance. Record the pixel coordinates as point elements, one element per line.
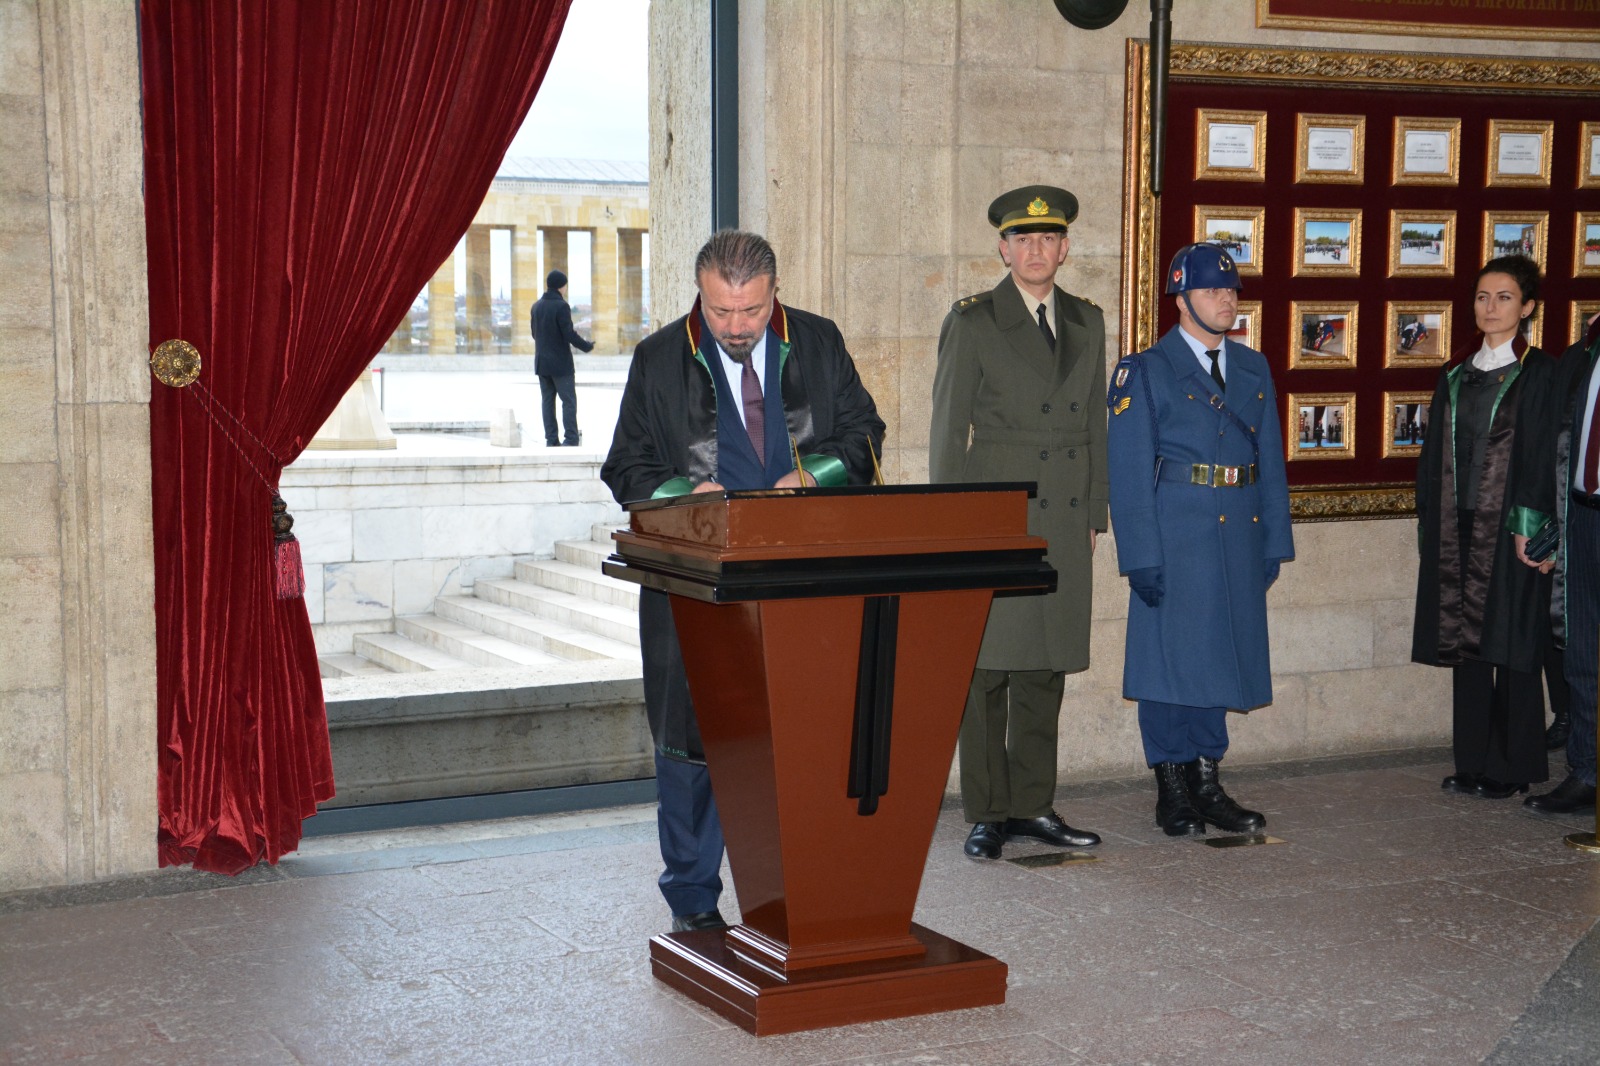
<point>1383,68</point>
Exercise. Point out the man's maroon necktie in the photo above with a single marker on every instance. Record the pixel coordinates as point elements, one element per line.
<point>755,417</point>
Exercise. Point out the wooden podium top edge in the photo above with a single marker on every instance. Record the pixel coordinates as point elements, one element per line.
<point>1031,488</point>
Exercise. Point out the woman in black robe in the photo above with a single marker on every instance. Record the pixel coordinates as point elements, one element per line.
<point>1480,610</point>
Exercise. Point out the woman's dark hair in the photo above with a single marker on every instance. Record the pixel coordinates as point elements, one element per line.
<point>1523,271</point>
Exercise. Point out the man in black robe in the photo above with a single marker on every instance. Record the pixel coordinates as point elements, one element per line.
<point>724,398</point>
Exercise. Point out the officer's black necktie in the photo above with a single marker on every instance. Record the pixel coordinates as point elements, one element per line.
<point>1044,327</point>
<point>1216,368</point>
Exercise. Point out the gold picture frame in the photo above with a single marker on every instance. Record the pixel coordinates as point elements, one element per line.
<point>1327,242</point>
<point>1519,153</point>
<point>1330,149</point>
<point>1323,334</point>
<point>1582,311</point>
<point>1247,326</point>
<point>1427,151</point>
<point>1417,334</point>
<point>1219,225</point>
<point>1586,245</point>
<point>1422,244</point>
<point>1321,426</point>
<point>1516,233</point>
<point>1405,423</point>
<point>1589,156</point>
<point>1230,145</point>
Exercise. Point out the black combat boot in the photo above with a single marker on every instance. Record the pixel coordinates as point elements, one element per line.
<point>1175,811</point>
<point>1555,738</point>
<point>1215,805</point>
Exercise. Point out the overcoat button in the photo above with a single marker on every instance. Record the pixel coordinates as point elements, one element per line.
<point>1074,502</point>
<point>1072,453</point>
<point>1222,518</point>
<point>1044,455</point>
<point>1043,504</point>
<point>1044,409</point>
<point>1255,518</point>
<point>1074,405</point>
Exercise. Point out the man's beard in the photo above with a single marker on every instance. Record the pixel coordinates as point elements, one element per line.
<point>738,349</point>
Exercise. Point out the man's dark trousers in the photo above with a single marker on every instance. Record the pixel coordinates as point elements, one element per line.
<point>549,388</point>
<point>1583,635</point>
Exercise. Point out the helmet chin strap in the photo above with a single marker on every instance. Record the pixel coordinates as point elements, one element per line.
<point>1195,318</point>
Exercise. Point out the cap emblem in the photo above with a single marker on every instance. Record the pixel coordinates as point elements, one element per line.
<point>1038,207</point>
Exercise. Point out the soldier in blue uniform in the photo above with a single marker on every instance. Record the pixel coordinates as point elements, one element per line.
<point>1200,511</point>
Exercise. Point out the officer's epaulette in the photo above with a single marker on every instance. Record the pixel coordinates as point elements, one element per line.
<point>962,306</point>
<point>1119,397</point>
<point>1086,300</point>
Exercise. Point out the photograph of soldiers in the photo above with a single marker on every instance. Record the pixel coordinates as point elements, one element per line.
<point>1016,397</point>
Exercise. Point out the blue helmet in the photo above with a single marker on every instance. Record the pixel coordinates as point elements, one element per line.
<point>1202,266</point>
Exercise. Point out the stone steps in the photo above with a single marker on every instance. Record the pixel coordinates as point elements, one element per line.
<point>562,610</point>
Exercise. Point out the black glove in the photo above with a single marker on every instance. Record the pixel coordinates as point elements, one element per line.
<point>1148,584</point>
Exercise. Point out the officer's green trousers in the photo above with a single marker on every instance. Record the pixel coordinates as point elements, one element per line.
<point>1008,744</point>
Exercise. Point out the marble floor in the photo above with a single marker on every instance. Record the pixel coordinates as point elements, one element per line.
<point>1395,924</point>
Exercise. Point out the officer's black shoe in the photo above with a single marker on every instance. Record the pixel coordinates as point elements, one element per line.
<point>1175,810</point>
<point>1489,788</point>
<point>1215,805</point>
<point>1462,782</point>
<point>1568,797</point>
<point>983,843</point>
<point>1555,738</point>
<point>684,923</point>
<point>1052,830</point>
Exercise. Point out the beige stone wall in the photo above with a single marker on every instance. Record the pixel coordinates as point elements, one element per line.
<point>680,151</point>
<point>77,665</point>
<point>874,134</point>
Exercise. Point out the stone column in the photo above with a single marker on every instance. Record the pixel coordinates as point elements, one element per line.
<point>442,309</point>
<point>479,323</point>
<point>526,286</point>
<point>630,296</point>
<point>555,250</point>
<point>77,667</point>
<point>603,276</point>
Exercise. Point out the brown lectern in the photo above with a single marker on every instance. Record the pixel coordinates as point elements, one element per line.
<point>829,636</point>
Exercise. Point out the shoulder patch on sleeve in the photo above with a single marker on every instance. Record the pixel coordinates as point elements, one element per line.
<point>1119,397</point>
<point>967,303</point>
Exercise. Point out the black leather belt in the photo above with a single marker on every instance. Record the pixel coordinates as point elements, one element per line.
<point>1584,500</point>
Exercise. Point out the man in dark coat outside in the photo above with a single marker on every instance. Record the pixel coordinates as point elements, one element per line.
<point>1017,398</point>
<point>723,399</point>
<point>1200,506</point>
<point>553,341</point>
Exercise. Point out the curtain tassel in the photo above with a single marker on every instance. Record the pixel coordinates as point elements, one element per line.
<point>288,571</point>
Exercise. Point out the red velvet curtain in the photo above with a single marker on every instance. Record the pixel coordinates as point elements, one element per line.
<point>308,166</point>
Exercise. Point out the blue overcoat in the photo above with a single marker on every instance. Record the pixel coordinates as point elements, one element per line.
<point>1205,644</point>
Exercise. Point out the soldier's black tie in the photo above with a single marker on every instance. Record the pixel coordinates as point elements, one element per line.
<point>1044,327</point>
<point>1216,368</point>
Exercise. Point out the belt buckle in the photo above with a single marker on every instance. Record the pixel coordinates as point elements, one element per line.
<point>1216,401</point>
<point>1227,475</point>
<point>1200,474</point>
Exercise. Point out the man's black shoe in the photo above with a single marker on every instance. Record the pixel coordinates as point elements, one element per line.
<point>983,843</point>
<point>1175,811</point>
<point>1215,805</point>
<point>685,923</point>
<point>1568,797</point>
<point>1052,830</point>
<point>1464,783</point>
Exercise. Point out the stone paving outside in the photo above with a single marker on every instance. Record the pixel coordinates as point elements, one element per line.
<point>1397,924</point>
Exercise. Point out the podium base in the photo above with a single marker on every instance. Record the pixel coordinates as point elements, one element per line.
<point>951,976</point>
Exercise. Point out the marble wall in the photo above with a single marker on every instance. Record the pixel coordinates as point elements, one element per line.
<point>77,667</point>
<point>874,133</point>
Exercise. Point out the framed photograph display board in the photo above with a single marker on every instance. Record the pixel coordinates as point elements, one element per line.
<point>1582,312</point>
<point>1237,230</point>
<point>1425,156</point>
<point>1247,326</point>
<point>1230,145</point>
<point>1407,423</point>
<point>1586,245</point>
<point>1330,149</point>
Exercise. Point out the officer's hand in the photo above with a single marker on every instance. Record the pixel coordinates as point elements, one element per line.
<point>1147,583</point>
<point>1273,566</point>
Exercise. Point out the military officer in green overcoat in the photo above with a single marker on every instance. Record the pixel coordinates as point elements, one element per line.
<point>1016,397</point>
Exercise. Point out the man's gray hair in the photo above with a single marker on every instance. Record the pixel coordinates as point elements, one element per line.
<point>737,257</point>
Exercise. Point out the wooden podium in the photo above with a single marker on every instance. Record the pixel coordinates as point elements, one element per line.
<point>829,637</point>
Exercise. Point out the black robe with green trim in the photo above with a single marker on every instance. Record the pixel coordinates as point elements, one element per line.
<point>1498,613</point>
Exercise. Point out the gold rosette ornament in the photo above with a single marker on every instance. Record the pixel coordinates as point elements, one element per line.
<point>175,363</point>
